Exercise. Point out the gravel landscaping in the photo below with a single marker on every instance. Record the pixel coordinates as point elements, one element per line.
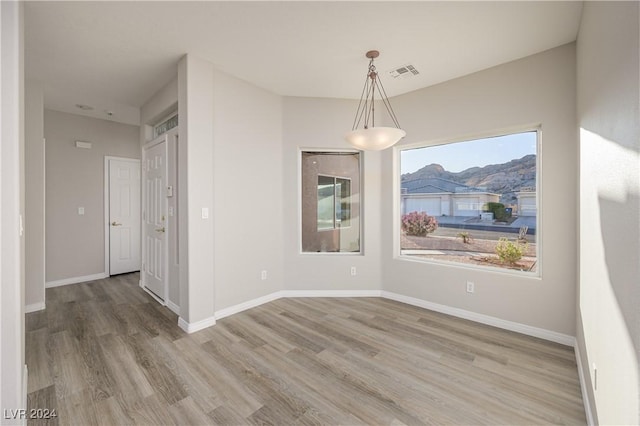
<point>478,251</point>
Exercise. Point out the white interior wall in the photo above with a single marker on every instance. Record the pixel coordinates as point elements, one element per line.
<point>75,178</point>
<point>196,180</point>
<point>163,102</point>
<point>12,359</point>
<point>608,335</point>
<point>539,89</point>
<point>248,190</point>
<point>314,123</point>
<point>34,197</point>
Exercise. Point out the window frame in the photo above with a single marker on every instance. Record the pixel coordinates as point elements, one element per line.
<point>397,209</point>
<point>337,223</point>
<point>167,118</point>
<point>301,151</point>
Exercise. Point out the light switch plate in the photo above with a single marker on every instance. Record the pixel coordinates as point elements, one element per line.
<point>80,211</point>
<point>205,213</point>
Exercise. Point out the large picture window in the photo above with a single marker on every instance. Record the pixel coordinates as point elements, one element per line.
<point>330,202</point>
<point>473,202</point>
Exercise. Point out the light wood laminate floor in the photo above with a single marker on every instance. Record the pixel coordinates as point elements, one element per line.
<point>104,352</point>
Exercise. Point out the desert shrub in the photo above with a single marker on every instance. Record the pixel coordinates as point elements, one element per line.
<point>499,213</point>
<point>466,237</point>
<point>418,224</point>
<point>510,252</point>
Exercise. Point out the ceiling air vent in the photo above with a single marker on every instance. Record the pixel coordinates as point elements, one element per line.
<point>404,71</point>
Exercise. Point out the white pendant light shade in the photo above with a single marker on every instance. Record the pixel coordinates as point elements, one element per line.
<point>374,138</point>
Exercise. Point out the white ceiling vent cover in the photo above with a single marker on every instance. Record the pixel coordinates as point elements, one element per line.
<point>404,71</point>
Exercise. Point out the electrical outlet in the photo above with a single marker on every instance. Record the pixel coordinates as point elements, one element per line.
<point>80,211</point>
<point>353,271</point>
<point>471,287</point>
<point>263,275</point>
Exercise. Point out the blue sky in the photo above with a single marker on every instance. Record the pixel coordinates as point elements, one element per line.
<point>456,157</point>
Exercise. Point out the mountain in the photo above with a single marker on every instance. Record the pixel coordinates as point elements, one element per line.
<point>505,179</point>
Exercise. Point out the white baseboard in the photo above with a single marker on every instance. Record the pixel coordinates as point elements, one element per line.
<point>175,308</point>
<point>541,333</point>
<point>331,293</point>
<point>196,326</point>
<point>34,307</point>
<point>293,293</point>
<point>75,280</point>
<point>583,388</point>
<point>222,313</point>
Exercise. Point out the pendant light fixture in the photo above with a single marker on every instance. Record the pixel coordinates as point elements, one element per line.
<point>369,137</point>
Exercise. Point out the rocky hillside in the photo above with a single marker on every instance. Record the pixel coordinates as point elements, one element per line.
<point>505,179</point>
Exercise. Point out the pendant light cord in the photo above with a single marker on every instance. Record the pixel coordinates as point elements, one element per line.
<point>366,107</point>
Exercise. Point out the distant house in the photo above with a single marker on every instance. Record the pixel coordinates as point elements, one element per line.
<point>527,201</point>
<point>438,197</point>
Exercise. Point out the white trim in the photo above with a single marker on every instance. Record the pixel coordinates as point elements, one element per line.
<point>196,326</point>
<point>331,293</point>
<point>406,256</point>
<point>222,313</point>
<point>583,387</point>
<point>107,158</point>
<point>34,307</point>
<point>174,308</point>
<point>43,275</point>
<point>155,141</point>
<point>75,280</point>
<point>105,218</point>
<point>541,333</point>
<point>293,293</point>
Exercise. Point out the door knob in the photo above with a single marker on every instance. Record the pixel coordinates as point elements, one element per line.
<point>114,223</point>
<point>160,229</point>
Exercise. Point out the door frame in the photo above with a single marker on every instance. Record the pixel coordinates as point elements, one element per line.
<point>107,227</point>
<point>165,294</point>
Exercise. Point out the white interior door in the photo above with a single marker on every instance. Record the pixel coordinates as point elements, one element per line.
<point>155,218</point>
<point>124,216</point>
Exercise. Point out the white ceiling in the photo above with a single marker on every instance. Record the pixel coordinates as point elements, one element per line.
<point>116,55</point>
